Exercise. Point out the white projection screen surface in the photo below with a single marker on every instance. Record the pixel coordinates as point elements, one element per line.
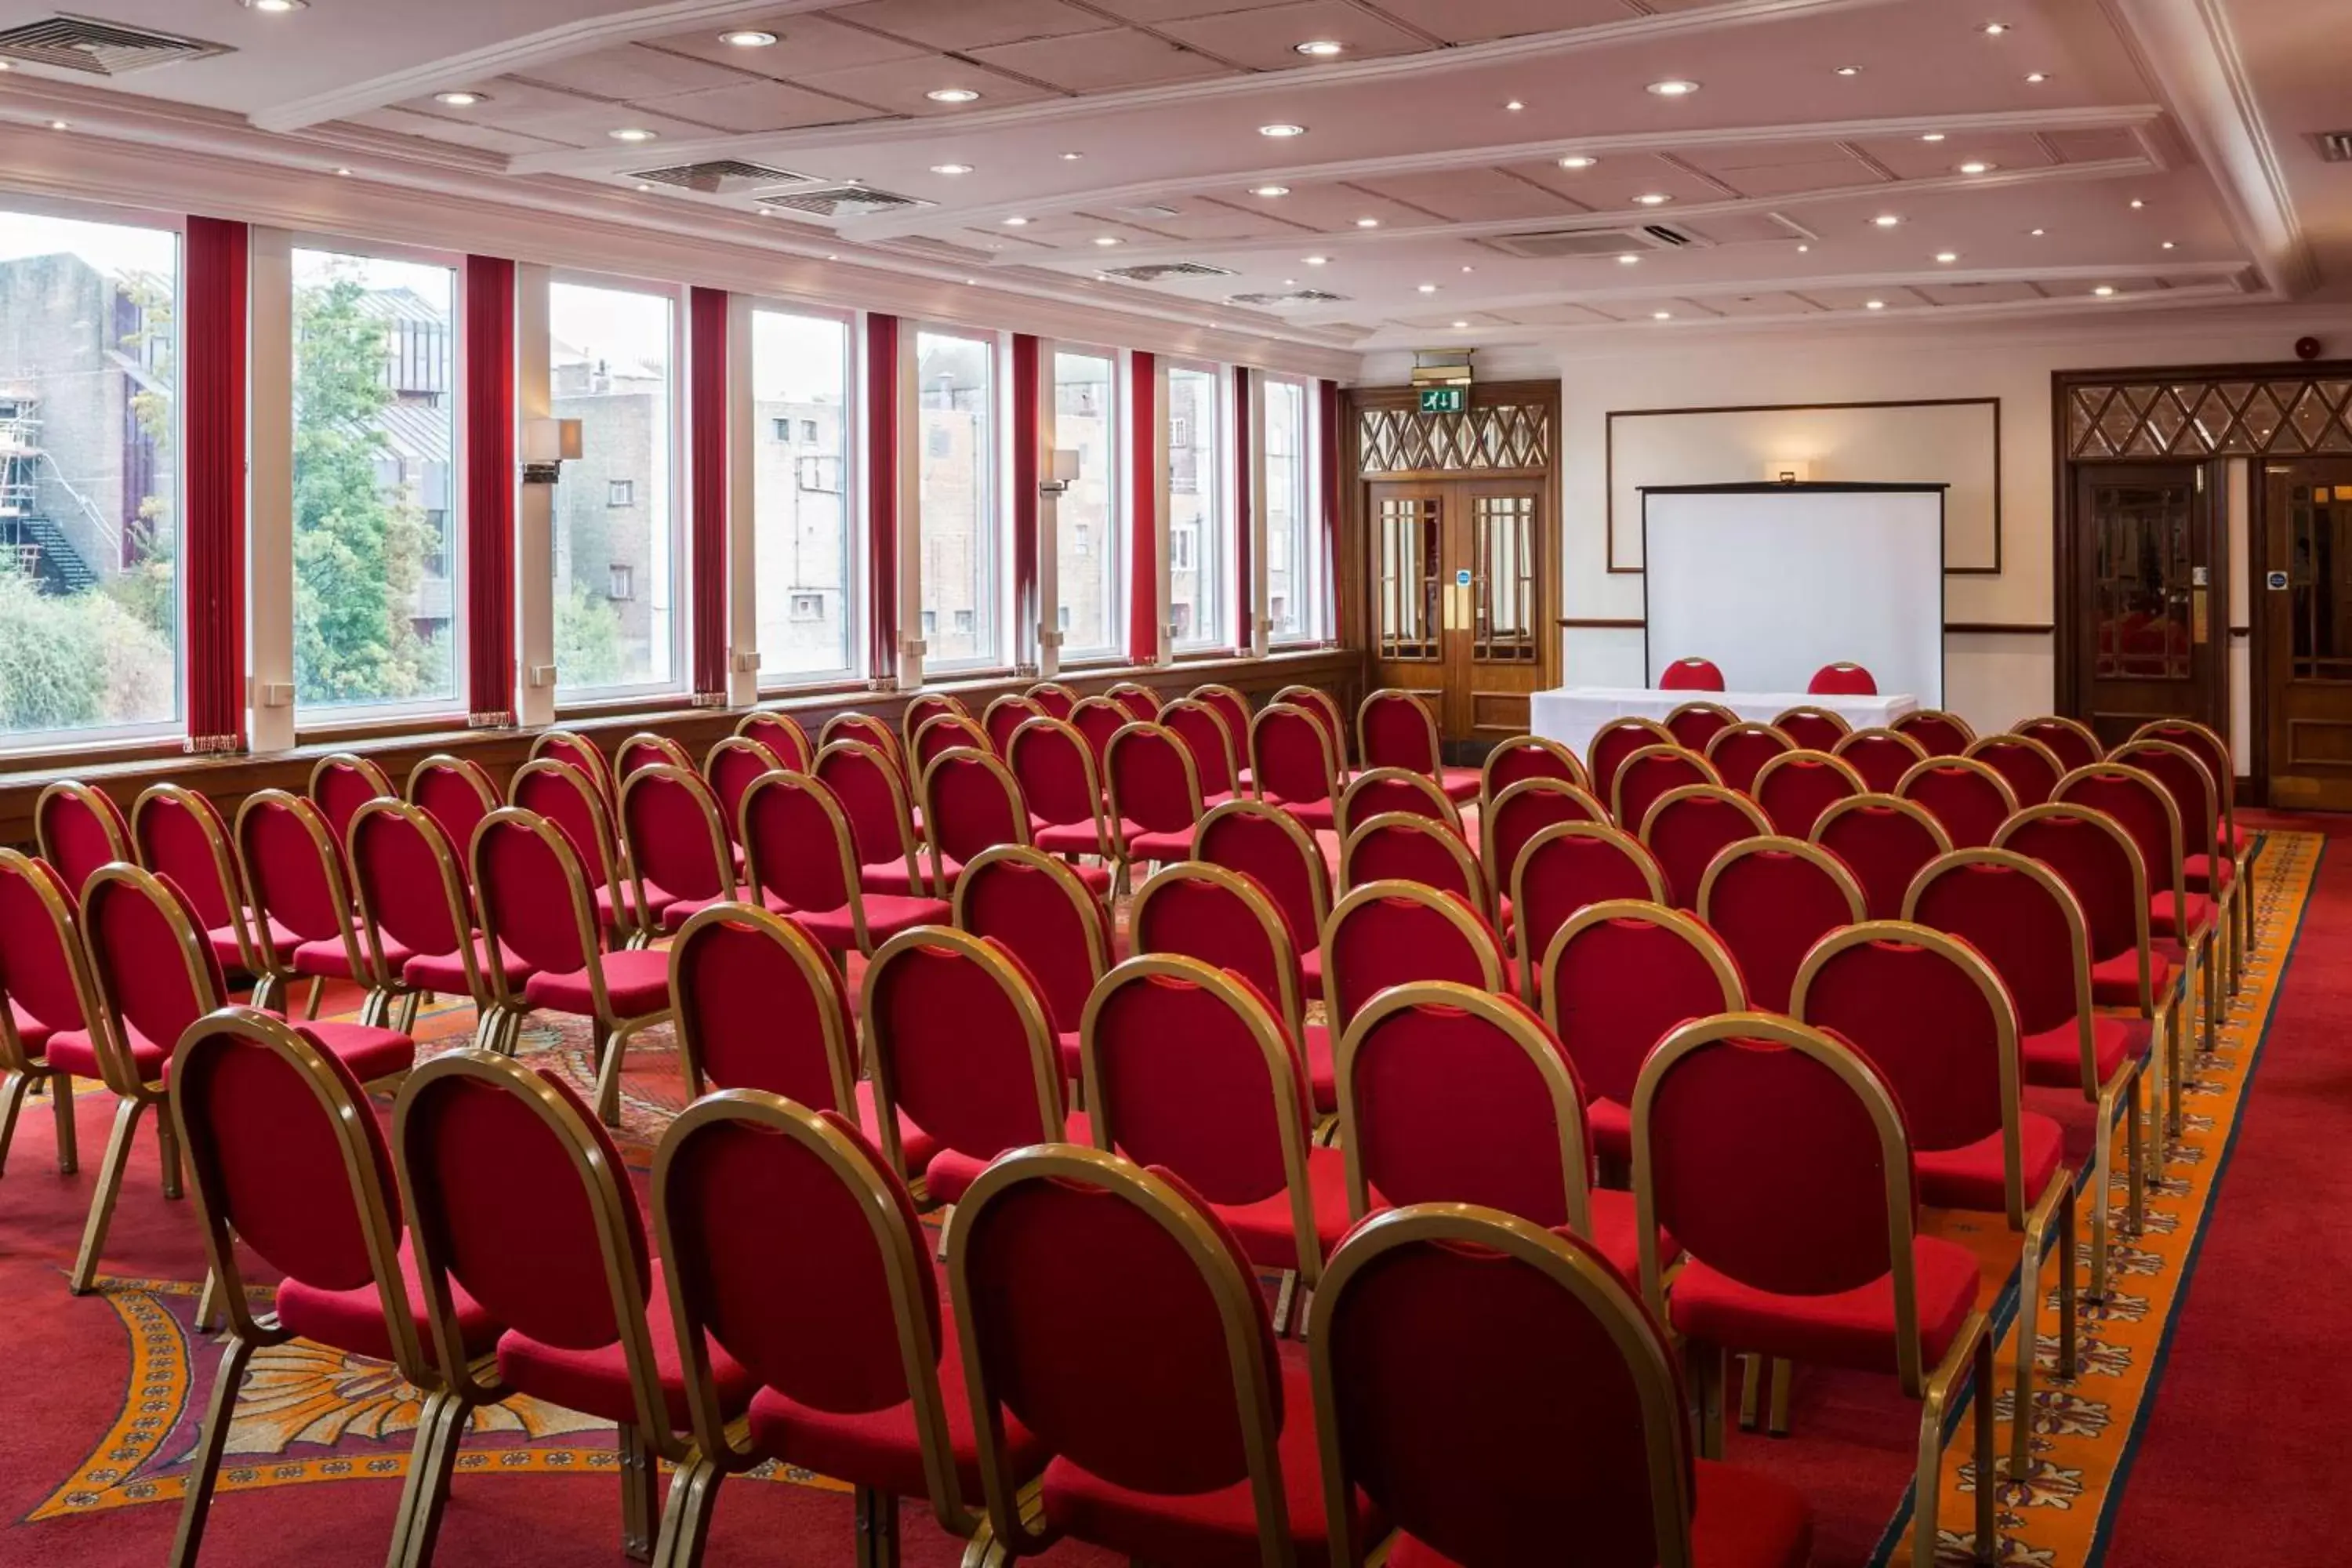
<point>1772,582</point>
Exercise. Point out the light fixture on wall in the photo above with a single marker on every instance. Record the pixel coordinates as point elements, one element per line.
<point>1788,471</point>
<point>547,446</point>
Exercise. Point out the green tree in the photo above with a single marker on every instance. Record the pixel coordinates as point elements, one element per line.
<point>587,639</point>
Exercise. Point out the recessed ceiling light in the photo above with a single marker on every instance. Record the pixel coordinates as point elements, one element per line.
<point>1661,315</point>
<point>1461,326</point>
<point>2037,233</point>
<point>1995,29</point>
<point>1368,223</point>
<point>1654,199</point>
<point>1282,130</point>
<point>748,38</point>
<point>1107,239</point>
<point>2165,245</point>
<point>968,282</point>
<point>951,168</point>
<point>460,99</point>
<point>277,7</point>
<point>1803,248</point>
<point>1886,220</point>
<point>1515,106</point>
<point>1426,288</point>
<point>2103,289</point>
<point>631,134</point>
<point>1873,304</point>
<point>1322,48</point>
<point>2137,203</point>
<point>829,257</point>
<point>1473,269</point>
<point>59,125</point>
<point>1290,282</point>
<point>1270,190</point>
<point>1072,157</point>
<point>952,95</point>
<point>1948,256</point>
<point>1629,262</point>
<point>1315,260</point>
<point>2037,78</point>
<point>1932,136</point>
<point>1675,88</point>
<point>1849,71</point>
<point>641,185</point>
<point>1016,222</point>
<point>1977,166</point>
<point>1578,161</point>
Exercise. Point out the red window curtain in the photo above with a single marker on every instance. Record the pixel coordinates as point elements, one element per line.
<point>1327,395</point>
<point>1026,385</point>
<point>707,452</point>
<point>1245,521</point>
<point>489,491</point>
<point>1143,510</point>
<point>882,497</point>
<point>212,550</point>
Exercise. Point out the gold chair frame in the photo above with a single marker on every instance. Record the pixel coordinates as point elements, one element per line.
<point>1450,909</point>
<point>1652,874</point>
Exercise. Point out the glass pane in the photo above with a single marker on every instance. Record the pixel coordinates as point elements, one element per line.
<point>799,495</point>
<point>375,434</point>
<point>90,589</point>
<point>1293,578</point>
<point>615,546</point>
<point>2321,586</point>
<point>1504,551</point>
<point>1408,543</point>
<point>1197,520</point>
<point>2141,589</point>
<point>1087,549</point>
<point>957,376</point>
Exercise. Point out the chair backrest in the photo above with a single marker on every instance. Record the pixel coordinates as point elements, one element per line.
<point>971,803</point>
<point>2195,791</point>
<point>1613,744</point>
<point>919,710</point>
<point>1842,680</point>
<point>180,836</point>
<point>1883,840</point>
<point>44,971</point>
<point>1265,844</point>
<point>1814,728</point>
<point>1215,748</point>
<point>1376,791</point>
<point>676,840</point>
<point>2020,917</point>
<point>2140,804</point>
<point>562,792</point>
<point>1770,900</point>
<point>1521,811</point>
<point>296,872</point>
<point>866,729</point>
<point>1180,1393</point>
<point>1139,700</point>
<point>532,896</point>
<point>798,846</point>
<point>1966,795</point>
<point>1543,1393</point>
<point>1006,714</point>
<point>1397,846</point>
<point>1939,735</point>
<point>581,752</point>
<point>1686,828</point>
<point>946,733</point>
<point>1881,756</point>
<point>2030,769</point>
<point>1152,780</point>
<point>1523,757</point>
<point>151,970</point>
<point>1233,708</point>
<point>958,1043</point>
<point>456,792</point>
<point>1035,907</point>
<point>781,735</point>
<point>645,749</point>
<point>1098,719</point>
<point>760,1006</point>
<point>1648,772</point>
<point>729,766</point>
<point>1054,697</point>
<point>410,882</point>
<point>342,782</point>
<point>1325,707</point>
<point>1394,728</point>
<point>2102,868</point>
<point>79,828</point>
<point>1058,775</point>
<point>1795,787</point>
<point>1567,867</point>
<point>866,781</point>
<point>1693,724</point>
<point>1690,674</point>
<point>1197,911</point>
<point>1391,933</point>
<point>2070,741</point>
<point>1620,974</point>
<point>1293,760</point>
<point>2200,742</point>
<point>1738,750</point>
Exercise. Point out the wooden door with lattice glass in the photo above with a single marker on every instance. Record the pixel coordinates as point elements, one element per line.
<point>2150,604</point>
<point>2304,617</point>
<point>1458,599</point>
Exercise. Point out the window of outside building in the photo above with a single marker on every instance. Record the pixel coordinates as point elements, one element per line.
<point>803,546</point>
<point>1294,555</point>
<point>1086,421</point>
<point>960,536</point>
<point>1199,519</point>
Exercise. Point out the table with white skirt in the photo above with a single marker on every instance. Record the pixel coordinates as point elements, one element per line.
<point>1571,715</point>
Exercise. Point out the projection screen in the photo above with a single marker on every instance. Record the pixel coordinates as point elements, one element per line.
<point>1772,582</point>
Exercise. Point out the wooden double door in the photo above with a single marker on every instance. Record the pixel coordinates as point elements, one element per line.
<point>2150,605</point>
<point>1460,581</point>
<point>2303,627</point>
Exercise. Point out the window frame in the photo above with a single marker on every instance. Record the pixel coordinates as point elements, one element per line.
<point>1310,568</point>
<point>994,508</point>
<point>1111,546</point>
<point>1213,541</point>
<point>857,576</point>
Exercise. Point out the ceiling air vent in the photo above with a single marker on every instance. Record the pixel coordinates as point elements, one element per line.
<point>1291,297</point>
<point>101,48</point>
<point>1152,209</point>
<point>2335,146</point>
<point>845,201</point>
<point>722,177</point>
<point>1160,272</point>
<point>1567,244</point>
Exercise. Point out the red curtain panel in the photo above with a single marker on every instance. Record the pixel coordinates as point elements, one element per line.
<point>1143,510</point>
<point>1245,518</point>
<point>707,448</point>
<point>212,549</point>
<point>1334,611</point>
<point>882,497</point>
<point>1027,378</point>
<point>490,479</point>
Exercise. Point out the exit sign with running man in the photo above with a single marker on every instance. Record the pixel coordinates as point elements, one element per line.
<point>1444,399</point>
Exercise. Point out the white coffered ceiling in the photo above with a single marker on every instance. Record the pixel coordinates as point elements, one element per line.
<point>1470,171</point>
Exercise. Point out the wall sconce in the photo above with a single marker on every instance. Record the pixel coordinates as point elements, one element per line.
<point>1063,474</point>
<point>547,446</point>
<point>1788,471</point>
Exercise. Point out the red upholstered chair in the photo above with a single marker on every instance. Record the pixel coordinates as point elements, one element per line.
<point>1054,697</point>
<point>1739,752</point>
<point>562,792</point>
<point>2206,868</point>
<point>787,1243</point>
<point>518,1199</point>
<point>290,1165</point>
<point>1648,772</point>
<point>971,804</point>
<point>2021,918</point>
<point>728,767</point>
<point>2030,769</point>
<point>645,749</point>
<point>961,1048</point>
<point>1397,846</point>
<point>2069,740</point>
<point>1685,830</point>
<point>1451,1095</point>
<point>1842,680</point>
<point>301,897</point>
<point>1234,710</point>
<point>1392,933</point>
<point>79,828</point>
<point>1521,811</point>
<point>1615,742</point>
<point>1544,1398</point>
<point>1967,796</point>
<point>1194,910</point>
<point>1325,707</point>
<point>457,793</point>
<point>1140,701</point>
<point>45,991</point>
<point>1690,674</point>
<point>919,710</point>
<point>1266,845</point>
<point>1294,763</point>
<point>1098,719</point>
<point>2139,801</point>
<point>1939,735</point>
<point>1885,841</point>
<point>1376,791</point>
<point>1524,757</point>
<point>781,735</point>
<point>1693,724</point>
<point>946,733</point>
<point>865,778</point>
<point>1881,756</point>
<point>1771,900</point>
<point>1567,867</point>
<point>342,782</point>
<point>1795,787</point>
<point>1059,927</point>
<point>1155,794</point>
<point>1930,1014</point>
<point>1180,1436</point>
<point>1063,786</point>
<point>800,859</point>
<point>410,884</point>
<point>180,837</point>
<point>533,901</point>
<point>1396,728</point>
<point>868,730</point>
<point>1216,749</point>
<point>1813,729</point>
<point>1188,1071</point>
<point>581,752</point>
<point>1616,977</point>
<point>1006,714</point>
<point>1800,1232</point>
<point>680,858</point>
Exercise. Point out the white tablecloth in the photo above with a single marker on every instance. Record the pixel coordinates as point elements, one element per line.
<point>1572,713</point>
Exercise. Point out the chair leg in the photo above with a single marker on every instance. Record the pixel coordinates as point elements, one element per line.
<point>686,1520</point>
<point>209,1303</point>
<point>609,1049</point>
<point>1988,1496</point>
<point>2029,1344</point>
<point>210,1446</point>
<point>639,1479</point>
<point>1751,1385</point>
<point>317,993</point>
<point>877,1529</point>
<point>13,1089</point>
<point>2096,1192</point>
<point>2069,1361</point>
<point>410,1004</point>
<point>2136,1182</point>
<point>266,990</point>
<point>1706,1374</point>
<point>167,1150</point>
<point>425,1495</point>
<point>1928,1485</point>
<point>1775,1418</point>
<point>109,1187</point>
<point>61,1106</point>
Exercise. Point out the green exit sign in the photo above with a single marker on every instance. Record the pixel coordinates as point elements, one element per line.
<point>1444,399</point>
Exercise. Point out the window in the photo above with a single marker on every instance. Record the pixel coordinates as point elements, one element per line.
<point>1198,517</point>
<point>90,596</point>
<point>803,565</point>
<point>930,622</point>
<point>1293,553</point>
<point>611,352</point>
<point>1087,580</point>
<point>956,376</point>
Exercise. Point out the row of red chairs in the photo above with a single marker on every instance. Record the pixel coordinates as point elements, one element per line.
<point>1839,679</point>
